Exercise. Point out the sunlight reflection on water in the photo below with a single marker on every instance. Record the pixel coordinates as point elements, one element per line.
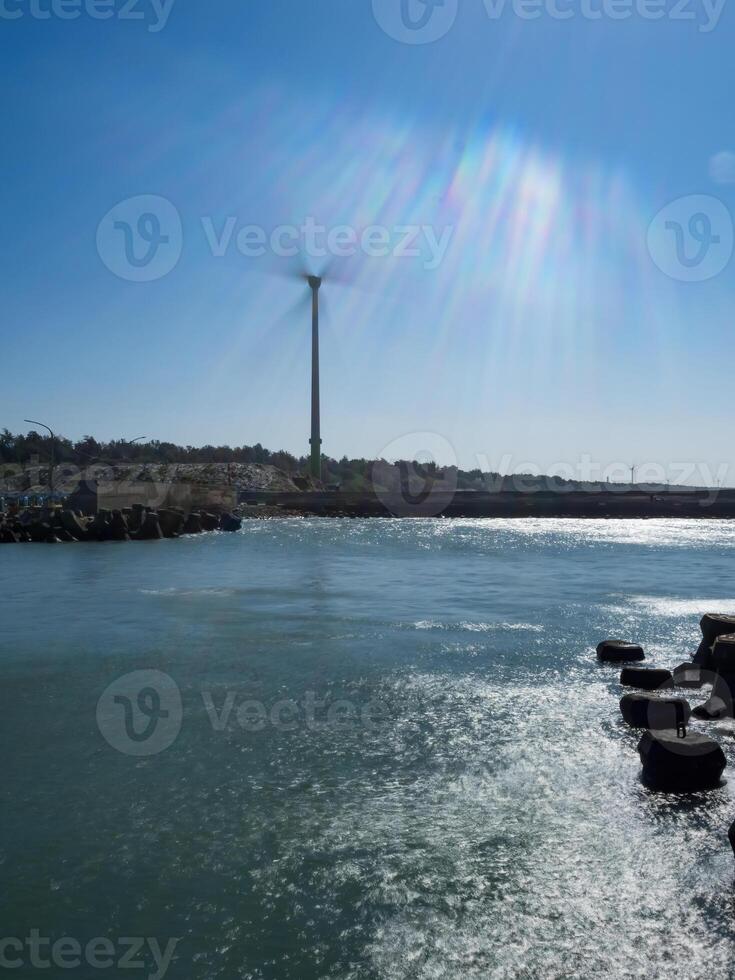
<point>493,826</point>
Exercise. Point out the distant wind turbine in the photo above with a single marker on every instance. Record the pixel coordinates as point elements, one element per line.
<point>315,283</point>
<point>315,442</point>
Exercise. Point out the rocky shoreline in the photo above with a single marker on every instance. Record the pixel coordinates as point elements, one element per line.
<point>675,759</point>
<point>207,511</point>
<point>55,525</point>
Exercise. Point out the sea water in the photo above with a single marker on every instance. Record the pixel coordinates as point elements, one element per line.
<point>364,749</point>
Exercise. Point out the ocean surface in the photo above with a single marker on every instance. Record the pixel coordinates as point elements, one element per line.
<point>359,749</point>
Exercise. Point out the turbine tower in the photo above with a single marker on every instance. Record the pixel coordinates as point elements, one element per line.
<point>315,282</point>
<point>316,435</point>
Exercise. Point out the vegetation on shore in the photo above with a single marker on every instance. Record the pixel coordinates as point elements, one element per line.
<point>355,475</point>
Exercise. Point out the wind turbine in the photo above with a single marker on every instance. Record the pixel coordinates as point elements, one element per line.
<point>331,273</point>
<point>315,442</point>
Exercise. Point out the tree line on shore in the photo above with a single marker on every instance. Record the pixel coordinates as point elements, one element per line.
<point>20,449</point>
<point>351,474</point>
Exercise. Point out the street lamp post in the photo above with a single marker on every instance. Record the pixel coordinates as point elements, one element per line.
<point>53,454</point>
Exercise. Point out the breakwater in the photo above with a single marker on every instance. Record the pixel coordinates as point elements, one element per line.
<point>633,504</point>
<point>673,758</point>
<point>55,525</point>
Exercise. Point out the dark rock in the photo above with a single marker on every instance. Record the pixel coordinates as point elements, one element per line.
<point>118,528</point>
<point>209,522</point>
<point>8,536</point>
<point>731,836</point>
<point>712,710</point>
<point>619,652</point>
<point>716,624</point>
<point>172,523</point>
<point>72,525</point>
<point>150,529</point>
<point>688,675</point>
<point>681,765</point>
<point>703,657</point>
<point>644,711</point>
<point>720,702</point>
<point>39,532</point>
<point>99,527</point>
<point>192,525</point>
<point>135,518</point>
<point>646,678</point>
<point>228,522</point>
<point>723,654</point>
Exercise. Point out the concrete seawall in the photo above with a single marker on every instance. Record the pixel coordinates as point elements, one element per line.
<point>471,503</point>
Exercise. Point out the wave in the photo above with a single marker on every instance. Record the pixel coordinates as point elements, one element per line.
<point>428,624</point>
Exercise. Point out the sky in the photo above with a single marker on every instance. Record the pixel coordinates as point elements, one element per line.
<point>524,223</point>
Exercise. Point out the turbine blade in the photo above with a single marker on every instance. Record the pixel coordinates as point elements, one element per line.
<point>287,321</point>
<point>286,267</point>
<point>329,338</point>
<point>347,272</point>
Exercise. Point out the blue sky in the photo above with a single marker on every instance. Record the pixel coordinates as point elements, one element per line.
<point>548,330</point>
